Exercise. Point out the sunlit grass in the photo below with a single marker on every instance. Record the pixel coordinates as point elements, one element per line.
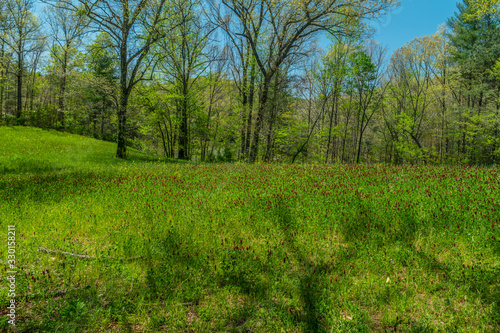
<point>235,247</point>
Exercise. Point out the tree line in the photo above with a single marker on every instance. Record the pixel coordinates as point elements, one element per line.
<point>247,80</point>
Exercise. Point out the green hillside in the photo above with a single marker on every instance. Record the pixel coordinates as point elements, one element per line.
<point>31,150</point>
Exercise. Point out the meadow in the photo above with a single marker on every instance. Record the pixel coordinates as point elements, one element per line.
<point>159,246</point>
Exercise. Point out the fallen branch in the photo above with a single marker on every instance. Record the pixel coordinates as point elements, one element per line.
<point>85,256</point>
<point>52,293</point>
<point>63,292</point>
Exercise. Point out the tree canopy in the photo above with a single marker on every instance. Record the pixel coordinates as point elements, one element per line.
<point>253,80</point>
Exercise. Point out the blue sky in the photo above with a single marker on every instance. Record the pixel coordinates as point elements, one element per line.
<point>414,18</point>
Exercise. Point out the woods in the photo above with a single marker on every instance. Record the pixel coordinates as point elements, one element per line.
<point>254,80</point>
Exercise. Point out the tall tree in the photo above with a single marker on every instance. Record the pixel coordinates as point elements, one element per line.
<point>441,70</point>
<point>289,25</point>
<point>332,74</point>
<point>22,38</point>
<point>214,88</point>
<point>67,28</point>
<point>4,29</point>
<point>185,57</point>
<point>476,49</point>
<point>134,26</point>
<point>100,83</point>
<point>243,70</point>
<point>411,74</point>
<point>365,74</point>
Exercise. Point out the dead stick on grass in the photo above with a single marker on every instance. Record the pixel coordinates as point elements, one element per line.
<point>53,293</point>
<point>63,292</point>
<point>85,256</point>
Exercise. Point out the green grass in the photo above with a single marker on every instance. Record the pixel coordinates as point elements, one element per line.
<point>33,150</point>
<point>245,248</point>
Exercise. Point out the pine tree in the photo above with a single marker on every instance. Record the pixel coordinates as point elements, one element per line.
<point>474,39</point>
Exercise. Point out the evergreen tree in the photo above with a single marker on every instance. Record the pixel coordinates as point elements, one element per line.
<point>474,39</point>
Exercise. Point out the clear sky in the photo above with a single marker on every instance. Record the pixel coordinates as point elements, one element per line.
<point>414,18</point>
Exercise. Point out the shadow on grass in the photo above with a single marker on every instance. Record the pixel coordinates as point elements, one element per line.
<point>28,166</point>
<point>50,187</point>
<point>366,225</point>
<point>310,281</point>
<point>478,279</point>
<point>188,273</point>
<point>133,155</point>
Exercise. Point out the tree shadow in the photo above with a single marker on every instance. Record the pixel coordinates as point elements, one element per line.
<point>365,224</point>
<point>50,187</point>
<point>239,269</point>
<point>309,282</point>
<point>28,166</point>
<point>479,280</point>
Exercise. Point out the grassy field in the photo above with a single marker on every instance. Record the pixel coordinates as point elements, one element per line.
<point>243,248</point>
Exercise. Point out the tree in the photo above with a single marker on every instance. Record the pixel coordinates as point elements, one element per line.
<point>4,59</point>
<point>32,61</point>
<point>184,58</point>
<point>23,37</point>
<point>411,74</point>
<point>214,87</point>
<point>484,7</point>
<point>67,28</point>
<point>134,26</point>
<point>289,25</point>
<point>243,72</point>
<point>332,74</point>
<point>365,72</point>
<point>99,85</point>
<point>311,103</point>
<point>476,49</point>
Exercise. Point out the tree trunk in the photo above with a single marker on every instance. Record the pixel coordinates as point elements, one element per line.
<point>244,104</point>
<point>19,104</point>
<point>94,124</point>
<point>216,132</point>
<point>361,131</point>
<point>102,123</point>
<point>62,91</point>
<point>272,119</point>
<point>183,133</point>
<point>33,81</point>
<point>443,115</point>
<point>2,82</point>
<point>165,150</point>
<point>206,135</point>
<point>330,125</point>
<point>348,117</point>
<point>168,140</point>
<point>254,150</point>
<point>335,123</point>
<point>121,151</point>
<point>307,140</point>
<point>251,96</point>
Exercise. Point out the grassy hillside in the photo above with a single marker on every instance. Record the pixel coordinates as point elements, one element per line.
<point>240,248</point>
<point>32,150</point>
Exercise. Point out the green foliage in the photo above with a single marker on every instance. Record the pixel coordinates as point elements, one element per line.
<point>99,58</point>
<point>476,51</point>
<point>361,70</point>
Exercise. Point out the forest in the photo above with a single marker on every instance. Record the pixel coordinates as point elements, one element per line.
<point>254,80</point>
